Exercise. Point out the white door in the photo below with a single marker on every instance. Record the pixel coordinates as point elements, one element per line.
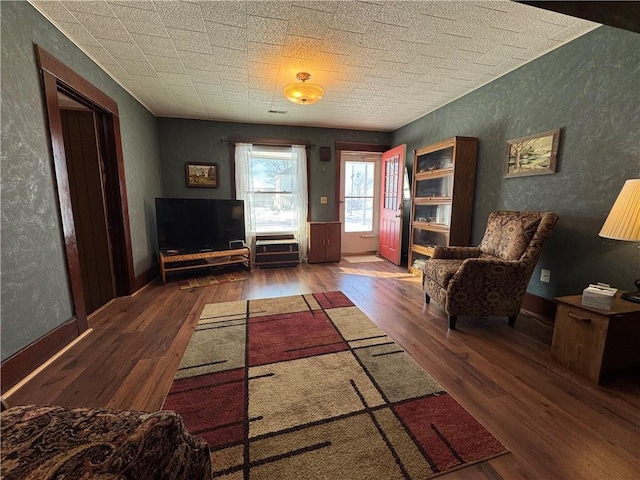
<point>360,201</point>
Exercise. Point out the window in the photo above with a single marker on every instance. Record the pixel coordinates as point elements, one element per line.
<point>271,185</point>
<point>272,180</point>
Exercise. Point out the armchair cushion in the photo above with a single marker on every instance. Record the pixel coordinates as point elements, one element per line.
<point>508,234</point>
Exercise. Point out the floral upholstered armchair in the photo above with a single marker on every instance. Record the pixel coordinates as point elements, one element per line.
<point>491,279</point>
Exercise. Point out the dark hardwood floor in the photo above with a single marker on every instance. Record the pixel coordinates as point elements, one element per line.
<point>555,424</point>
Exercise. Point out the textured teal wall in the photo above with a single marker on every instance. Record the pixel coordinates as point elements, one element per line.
<point>200,141</point>
<point>590,88</point>
<point>35,289</point>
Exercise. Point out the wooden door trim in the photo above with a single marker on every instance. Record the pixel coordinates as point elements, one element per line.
<point>352,147</point>
<point>59,77</point>
<point>66,75</point>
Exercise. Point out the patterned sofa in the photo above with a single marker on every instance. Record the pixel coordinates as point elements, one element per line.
<point>41,443</point>
<point>491,279</point>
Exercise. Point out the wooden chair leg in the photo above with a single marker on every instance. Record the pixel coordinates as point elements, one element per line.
<point>427,298</point>
<point>452,322</point>
<point>512,320</point>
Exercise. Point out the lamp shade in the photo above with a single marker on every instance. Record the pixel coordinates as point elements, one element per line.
<point>303,93</point>
<point>623,222</point>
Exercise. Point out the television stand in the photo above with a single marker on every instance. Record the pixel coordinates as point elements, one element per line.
<point>217,258</point>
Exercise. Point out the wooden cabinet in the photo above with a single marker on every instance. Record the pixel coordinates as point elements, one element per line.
<point>442,198</point>
<point>592,342</point>
<point>276,251</point>
<point>324,241</point>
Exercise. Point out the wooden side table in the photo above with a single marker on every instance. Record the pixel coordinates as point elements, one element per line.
<point>592,342</point>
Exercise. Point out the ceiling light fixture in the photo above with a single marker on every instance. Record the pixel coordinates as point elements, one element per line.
<point>303,93</point>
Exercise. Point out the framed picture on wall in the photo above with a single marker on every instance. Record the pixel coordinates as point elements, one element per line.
<point>532,155</point>
<point>202,175</point>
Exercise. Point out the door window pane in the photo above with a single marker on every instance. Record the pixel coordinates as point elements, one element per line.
<point>359,183</point>
<point>358,214</point>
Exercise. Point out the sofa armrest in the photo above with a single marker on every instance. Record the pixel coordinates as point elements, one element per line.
<point>47,442</point>
<point>456,253</point>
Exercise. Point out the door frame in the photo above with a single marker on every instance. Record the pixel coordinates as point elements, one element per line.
<point>376,204</point>
<point>58,77</point>
<point>354,147</point>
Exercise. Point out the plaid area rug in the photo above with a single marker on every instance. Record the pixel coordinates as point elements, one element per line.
<point>307,387</point>
<point>211,280</point>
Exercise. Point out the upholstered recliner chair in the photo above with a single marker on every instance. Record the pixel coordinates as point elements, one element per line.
<point>491,279</point>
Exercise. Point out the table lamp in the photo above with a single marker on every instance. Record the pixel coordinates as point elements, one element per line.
<point>623,223</point>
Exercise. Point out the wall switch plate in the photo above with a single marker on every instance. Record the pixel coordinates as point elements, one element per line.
<point>545,275</point>
<point>323,200</point>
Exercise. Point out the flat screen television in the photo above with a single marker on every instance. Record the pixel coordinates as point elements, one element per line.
<point>188,225</point>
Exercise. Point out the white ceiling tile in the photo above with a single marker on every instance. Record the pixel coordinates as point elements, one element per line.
<point>123,50</point>
<point>338,41</point>
<point>138,68</point>
<point>266,30</point>
<point>183,90</point>
<point>189,41</point>
<point>230,57</point>
<point>177,14</point>
<point>301,47</point>
<point>103,27</point>
<point>320,5</point>
<point>55,11</point>
<point>149,82</point>
<point>306,22</point>
<point>227,35</point>
<point>197,61</point>
<point>175,79</point>
<point>226,72</point>
<point>142,4</point>
<point>227,13</point>
<point>166,64</point>
<point>100,55</point>
<point>94,7</point>
<point>264,53</point>
<point>382,36</point>
<point>234,87</point>
<point>203,76</point>
<point>80,35</point>
<point>137,20</point>
<point>355,16</point>
<point>573,31</point>
<point>207,89</point>
<point>155,45</point>
<point>279,9</point>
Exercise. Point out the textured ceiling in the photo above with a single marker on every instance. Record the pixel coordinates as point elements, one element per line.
<point>382,63</point>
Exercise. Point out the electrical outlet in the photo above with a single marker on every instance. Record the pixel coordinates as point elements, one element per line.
<point>323,199</point>
<point>545,275</point>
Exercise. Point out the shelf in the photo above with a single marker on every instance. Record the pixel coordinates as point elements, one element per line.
<point>442,197</point>
<point>190,261</point>
<point>437,173</point>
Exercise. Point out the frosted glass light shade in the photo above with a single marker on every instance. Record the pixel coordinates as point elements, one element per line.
<point>623,222</point>
<point>303,93</point>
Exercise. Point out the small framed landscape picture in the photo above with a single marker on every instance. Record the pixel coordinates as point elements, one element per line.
<point>532,155</point>
<point>202,175</point>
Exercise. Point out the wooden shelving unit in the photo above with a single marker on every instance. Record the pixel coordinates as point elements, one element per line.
<point>442,197</point>
<point>188,261</point>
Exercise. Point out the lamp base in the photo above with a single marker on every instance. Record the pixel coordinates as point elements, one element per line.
<point>631,296</point>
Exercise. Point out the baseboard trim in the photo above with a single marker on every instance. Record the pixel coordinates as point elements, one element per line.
<point>22,363</point>
<point>539,308</point>
<point>144,279</point>
<point>7,393</point>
